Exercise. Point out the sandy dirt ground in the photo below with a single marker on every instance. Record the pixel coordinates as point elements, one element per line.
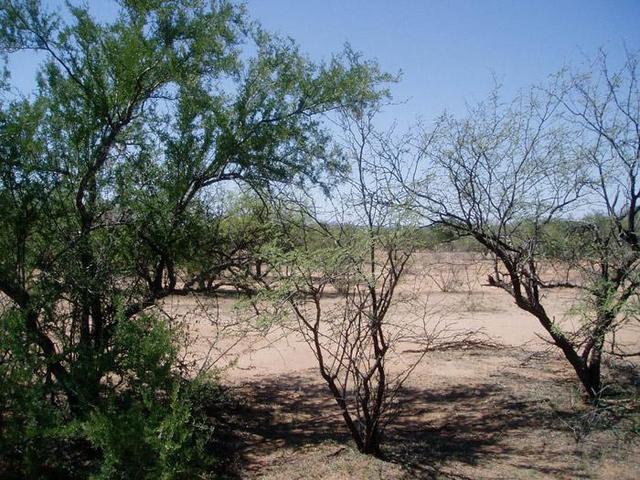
<point>507,412</point>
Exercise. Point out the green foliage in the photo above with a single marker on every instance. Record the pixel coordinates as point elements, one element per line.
<point>143,353</point>
<point>149,424</point>
<point>152,428</point>
<point>113,186</point>
<point>29,421</point>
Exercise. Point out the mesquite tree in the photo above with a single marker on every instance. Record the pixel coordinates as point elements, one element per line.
<point>604,107</point>
<point>103,171</point>
<point>501,175</point>
<point>339,278</point>
<point>508,174</point>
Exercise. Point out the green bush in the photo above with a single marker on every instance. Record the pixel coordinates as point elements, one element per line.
<point>150,422</point>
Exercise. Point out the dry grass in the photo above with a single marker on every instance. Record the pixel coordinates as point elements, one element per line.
<point>330,461</point>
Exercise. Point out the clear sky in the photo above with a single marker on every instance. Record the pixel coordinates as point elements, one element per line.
<point>448,50</point>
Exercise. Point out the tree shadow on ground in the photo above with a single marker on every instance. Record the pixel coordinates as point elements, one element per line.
<point>264,416</point>
<point>469,427</point>
<point>623,375</point>
<point>463,424</point>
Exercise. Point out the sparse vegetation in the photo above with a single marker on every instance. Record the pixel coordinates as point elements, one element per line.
<point>215,261</point>
<point>509,174</point>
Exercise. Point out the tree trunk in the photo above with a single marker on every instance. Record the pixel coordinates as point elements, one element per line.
<point>371,443</point>
<point>578,362</point>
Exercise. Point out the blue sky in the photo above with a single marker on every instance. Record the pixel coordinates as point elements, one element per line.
<point>448,50</point>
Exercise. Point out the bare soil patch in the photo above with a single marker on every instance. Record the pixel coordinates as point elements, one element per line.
<point>505,414</point>
<point>509,412</point>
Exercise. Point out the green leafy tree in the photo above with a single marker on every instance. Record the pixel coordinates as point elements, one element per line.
<point>106,170</point>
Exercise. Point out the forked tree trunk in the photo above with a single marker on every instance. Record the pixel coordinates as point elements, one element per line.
<point>367,438</point>
<point>587,369</point>
<point>528,301</point>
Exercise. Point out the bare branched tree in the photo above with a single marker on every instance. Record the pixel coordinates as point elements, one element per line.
<point>340,283</point>
<point>604,105</point>
<point>509,174</point>
<point>502,176</point>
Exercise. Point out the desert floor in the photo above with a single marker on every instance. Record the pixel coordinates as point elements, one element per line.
<point>511,410</point>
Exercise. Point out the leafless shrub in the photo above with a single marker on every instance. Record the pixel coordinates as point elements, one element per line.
<point>361,254</point>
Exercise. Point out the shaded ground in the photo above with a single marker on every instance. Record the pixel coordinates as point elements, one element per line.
<point>505,413</point>
<point>520,419</point>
